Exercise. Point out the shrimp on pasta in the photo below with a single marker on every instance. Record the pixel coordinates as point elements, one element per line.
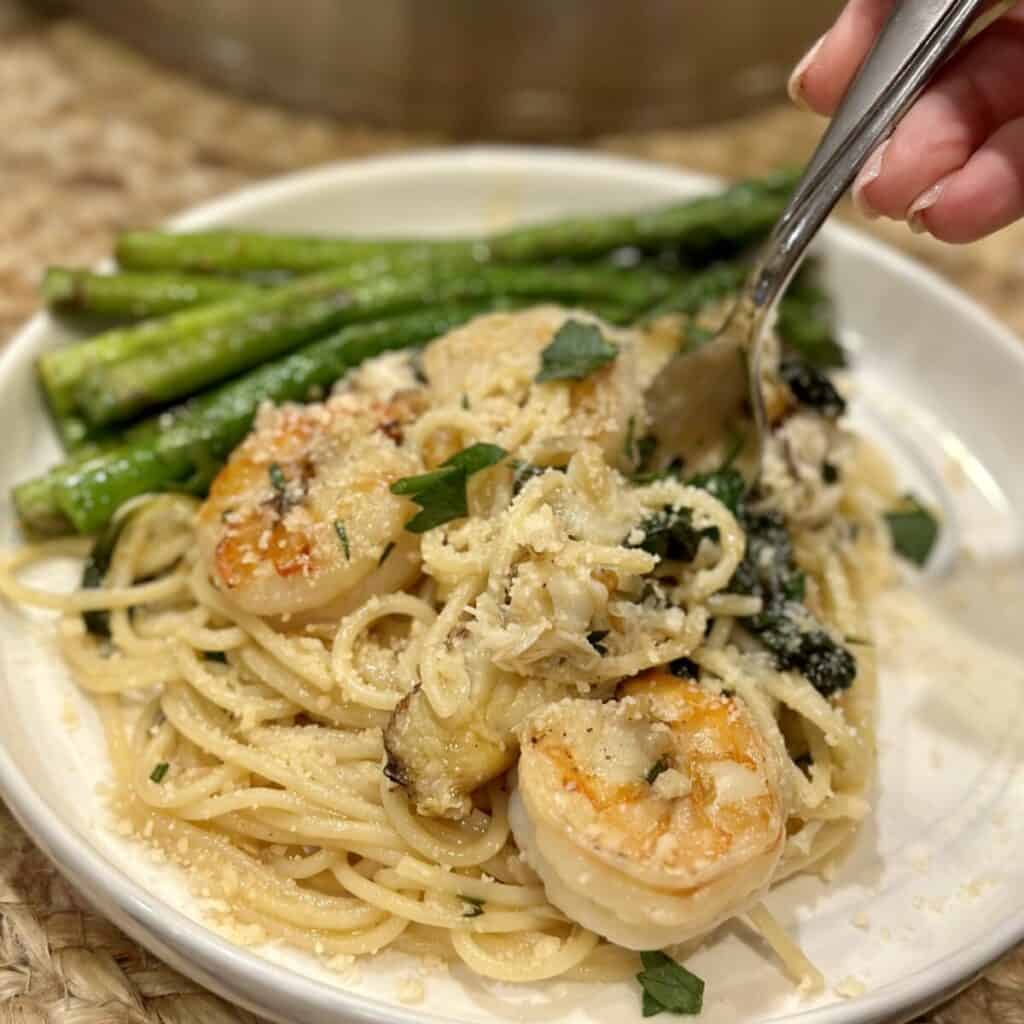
<point>653,817</point>
<point>299,518</point>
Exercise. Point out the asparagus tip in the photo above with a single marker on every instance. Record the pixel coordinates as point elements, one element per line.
<point>60,288</point>
<point>37,509</point>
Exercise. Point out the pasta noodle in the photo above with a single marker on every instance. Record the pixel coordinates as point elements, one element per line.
<point>285,759</point>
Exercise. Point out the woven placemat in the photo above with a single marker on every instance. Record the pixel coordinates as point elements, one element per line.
<point>94,140</point>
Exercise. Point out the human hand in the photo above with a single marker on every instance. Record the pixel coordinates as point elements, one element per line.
<point>954,166</point>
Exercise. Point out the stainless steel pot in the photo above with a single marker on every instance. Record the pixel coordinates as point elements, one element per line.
<point>538,69</point>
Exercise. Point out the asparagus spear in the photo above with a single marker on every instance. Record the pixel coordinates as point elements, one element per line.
<point>135,296</point>
<point>37,507</point>
<point>126,296</point>
<point>240,251</point>
<point>182,449</point>
<point>701,290</point>
<point>36,500</point>
<point>61,369</point>
<point>728,220</point>
<point>112,392</point>
<point>805,322</point>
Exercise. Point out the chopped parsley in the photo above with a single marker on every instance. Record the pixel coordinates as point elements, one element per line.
<point>794,586</point>
<point>94,572</point>
<point>671,535</point>
<point>638,450</point>
<point>277,480</point>
<point>158,773</point>
<point>441,494</point>
<point>388,548</point>
<point>575,352</point>
<point>659,766</point>
<point>644,448</point>
<point>339,529</point>
<point>914,530</point>
<point>474,907</point>
<point>668,987</point>
<point>858,641</point>
<point>737,441</point>
<point>725,484</point>
<point>674,470</point>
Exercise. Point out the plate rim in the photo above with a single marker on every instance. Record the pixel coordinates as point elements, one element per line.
<point>237,973</point>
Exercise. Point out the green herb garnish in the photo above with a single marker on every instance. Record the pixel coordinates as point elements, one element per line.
<point>857,641</point>
<point>94,572</point>
<point>737,439</point>
<point>388,548</point>
<point>674,470</point>
<point>277,480</point>
<point>575,352</point>
<point>913,528</point>
<point>794,586</point>
<point>158,773</point>
<point>339,529</point>
<point>726,484</point>
<point>644,448</point>
<point>797,641</point>
<point>668,987</point>
<point>659,766</point>
<point>670,535</point>
<point>474,907</point>
<point>441,494</point>
<point>638,450</point>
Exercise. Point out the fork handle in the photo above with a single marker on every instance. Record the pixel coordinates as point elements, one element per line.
<point>916,40</point>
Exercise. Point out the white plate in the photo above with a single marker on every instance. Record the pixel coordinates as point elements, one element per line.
<point>931,893</point>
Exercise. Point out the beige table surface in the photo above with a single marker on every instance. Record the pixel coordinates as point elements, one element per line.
<point>94,140</point>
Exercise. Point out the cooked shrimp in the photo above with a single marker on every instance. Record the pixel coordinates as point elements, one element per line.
<point>492,362</point>
<point>652,818</point>
<point>302,514</point>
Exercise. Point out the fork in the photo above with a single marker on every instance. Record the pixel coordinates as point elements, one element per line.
<point>697,396</point>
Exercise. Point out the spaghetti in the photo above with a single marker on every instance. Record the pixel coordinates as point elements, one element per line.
<point>317,712</point>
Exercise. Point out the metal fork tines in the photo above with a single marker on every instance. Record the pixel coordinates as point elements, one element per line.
<point>916,40</point>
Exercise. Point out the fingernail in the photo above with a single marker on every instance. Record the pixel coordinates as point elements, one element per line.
<point>795,86</point>
<point>924,202</point>
<point>868,173</point>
